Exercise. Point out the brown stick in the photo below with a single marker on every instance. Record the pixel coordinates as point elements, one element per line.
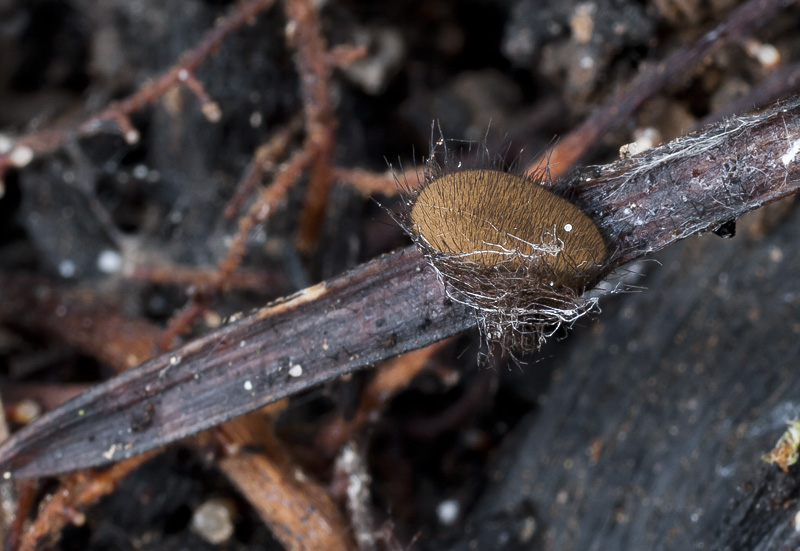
<point>265,158</point>
<point>315,73</point>
<point>203,277</point>
<point>372,183</point>
<point>76,492</point>
<point>26,493</point>
<point>298,510</point>
<point>256,214</point>
<point>395,303</point>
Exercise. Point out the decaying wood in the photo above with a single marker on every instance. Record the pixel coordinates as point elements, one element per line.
<point>395,303</point>
<point>116,341</point>
<point>384,308</point>
<point>697,182</point>
<point>297,509</point>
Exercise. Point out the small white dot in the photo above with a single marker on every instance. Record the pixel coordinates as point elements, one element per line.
<point>7,475</point>
<point>183,74</point>
<point>140,171</point>
<point>295,370</point>
<point>109,453</point>
<point>447,511</point>
<point>248,385</point>
<point>211,111</point>
<point>132,136</point>
<point>568,227</point>
<point>109,261</point>
<point>213,521</point>
<point>66,268</point>
<point>176,217</point>
<point>21,155</point>
<point>26,411</point>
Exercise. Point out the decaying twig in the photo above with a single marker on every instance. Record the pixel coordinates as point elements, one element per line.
<point>697,182</point>
<point>390,306</point>
<point>315,69</point>
<point>264,159</point>
<point>395,303</point>
<point>298,510</point>
<point>77,491</point>
<point>116,340</point>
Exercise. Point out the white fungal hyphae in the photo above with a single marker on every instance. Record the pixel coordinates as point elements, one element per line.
<point>790,155</point>
<point>506,244</point>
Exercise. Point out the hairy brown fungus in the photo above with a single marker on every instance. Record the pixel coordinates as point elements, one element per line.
<point>503,243</point>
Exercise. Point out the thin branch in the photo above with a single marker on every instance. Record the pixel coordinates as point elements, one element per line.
<point>313,64</point>
<point>23,150</point>
<point>298,510</point>
<point>256,215</point>
<point>395,303</point>
<point>202,277</point>
<point>371,183</point>
<point>77,491</point>
<point>26,494</point>
<point>264,159</point>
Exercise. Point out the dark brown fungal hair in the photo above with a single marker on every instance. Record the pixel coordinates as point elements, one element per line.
<point>508,244</point>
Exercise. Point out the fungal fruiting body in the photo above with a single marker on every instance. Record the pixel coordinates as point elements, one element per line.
<point>502,243</point>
